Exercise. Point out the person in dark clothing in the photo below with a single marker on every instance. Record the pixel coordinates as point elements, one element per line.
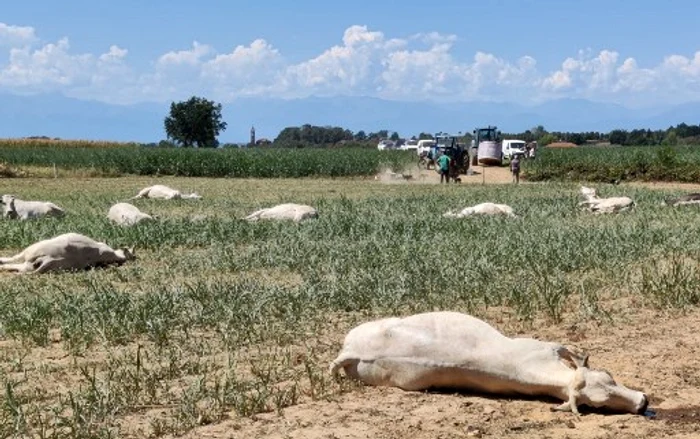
<point>515,168</point>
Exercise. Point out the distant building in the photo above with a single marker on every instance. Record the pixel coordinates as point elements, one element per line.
<point>252,135</point>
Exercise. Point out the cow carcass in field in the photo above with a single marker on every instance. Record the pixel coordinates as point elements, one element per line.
<point>458,351</point>
<point>126,214</point>
<point>389,175</point>
<point>13,208</point>
<point>288,211</point>
<point>165,193</point>
<point>482,209</point>
<point>684,200</point>
<point>604,205</point>
<point>70,251</point>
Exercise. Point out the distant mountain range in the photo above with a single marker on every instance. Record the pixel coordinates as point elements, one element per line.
<point>68,118</point>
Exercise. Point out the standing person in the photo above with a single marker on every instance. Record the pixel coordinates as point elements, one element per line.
<point>515,168</point>
<point>444,163</point>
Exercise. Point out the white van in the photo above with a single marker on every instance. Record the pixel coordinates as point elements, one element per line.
<point>424,146</point>
<point>410,145</point>
<point>513,147</point>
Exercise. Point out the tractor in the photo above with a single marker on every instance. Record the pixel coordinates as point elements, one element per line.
<point>458,153</point>
<point>488,144</point>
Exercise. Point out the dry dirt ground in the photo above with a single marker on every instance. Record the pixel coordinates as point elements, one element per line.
<point>656,352</point>
<point>481,175</point>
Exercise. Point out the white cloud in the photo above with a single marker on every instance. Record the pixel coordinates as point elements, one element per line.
<point>14,36</point>
<point>603,77</point>
<point>191,57</point>
<point>247,70</point>
<point>365,62</point>
<point>352,66</point>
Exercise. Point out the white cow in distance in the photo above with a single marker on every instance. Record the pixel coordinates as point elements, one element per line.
<point>70,251</point>
<point>165,193</point>
<point>16,208</point>
<point>288,211</point>
<point>458,351</point>
<point>126,214</point>
<point>604,205</point>
<point>482,209</point>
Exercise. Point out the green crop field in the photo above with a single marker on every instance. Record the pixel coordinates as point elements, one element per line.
<point>229,162</point>
<point>220,319</point>
<point>608,164</point>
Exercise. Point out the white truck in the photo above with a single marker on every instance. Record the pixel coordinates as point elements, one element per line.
<point>512,147</point>
<point>424,146</point>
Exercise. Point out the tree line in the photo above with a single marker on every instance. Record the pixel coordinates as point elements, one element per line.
<point>198,122</point>
<point>316,136</point>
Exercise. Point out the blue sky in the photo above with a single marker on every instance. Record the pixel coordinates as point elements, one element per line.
<point>635,53</point>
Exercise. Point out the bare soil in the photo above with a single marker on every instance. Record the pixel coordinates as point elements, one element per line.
<point>652,351</point>
<point>480,175</point>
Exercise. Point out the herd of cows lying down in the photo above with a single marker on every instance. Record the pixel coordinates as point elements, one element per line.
<point>430,350</point>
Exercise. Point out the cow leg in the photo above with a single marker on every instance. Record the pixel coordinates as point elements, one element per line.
<point>344,361</point>
<point>369,372</point>
<point>255,215</point>
<point>47,264</point>
<point>19,257</point>
<point>23,267</point>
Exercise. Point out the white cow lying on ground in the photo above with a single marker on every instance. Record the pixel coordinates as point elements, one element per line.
<point>684,200</point>
<point>16,208</point>
<point>164,193</point>
<point>482,209</point>
<point>70,251</point>
<point>453,350</point>
<point>126,214</point>
<point>289,211</point>
<point>604,205</point>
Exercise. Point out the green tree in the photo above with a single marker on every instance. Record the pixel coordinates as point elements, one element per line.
<point>670,139</point>
<point>394,136</point>
<point>196,121</point>
<point>547,138</point>
<point>618,137</point>
<point>537,132</point>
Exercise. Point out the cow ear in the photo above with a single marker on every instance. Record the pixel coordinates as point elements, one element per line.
<point>573,356</point>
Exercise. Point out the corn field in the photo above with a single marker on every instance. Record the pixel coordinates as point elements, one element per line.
<point>41,142</point>
<point>609,164</point>
<point>252,163</point>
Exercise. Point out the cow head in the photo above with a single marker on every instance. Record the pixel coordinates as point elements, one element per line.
<point>9,210</point>
<point>128,253</point>
<point>589,193</point>
<point>597,388</point>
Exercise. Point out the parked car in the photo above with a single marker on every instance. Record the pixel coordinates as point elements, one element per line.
<point>410,145</point>
<point>385,144</point>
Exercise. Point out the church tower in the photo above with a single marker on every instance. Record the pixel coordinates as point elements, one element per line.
<point>252,136</point>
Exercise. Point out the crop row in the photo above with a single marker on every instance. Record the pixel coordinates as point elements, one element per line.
<point>257,163</point>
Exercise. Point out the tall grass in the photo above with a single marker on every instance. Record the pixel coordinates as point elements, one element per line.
<point>608,164</point>
<point>258,163</point>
